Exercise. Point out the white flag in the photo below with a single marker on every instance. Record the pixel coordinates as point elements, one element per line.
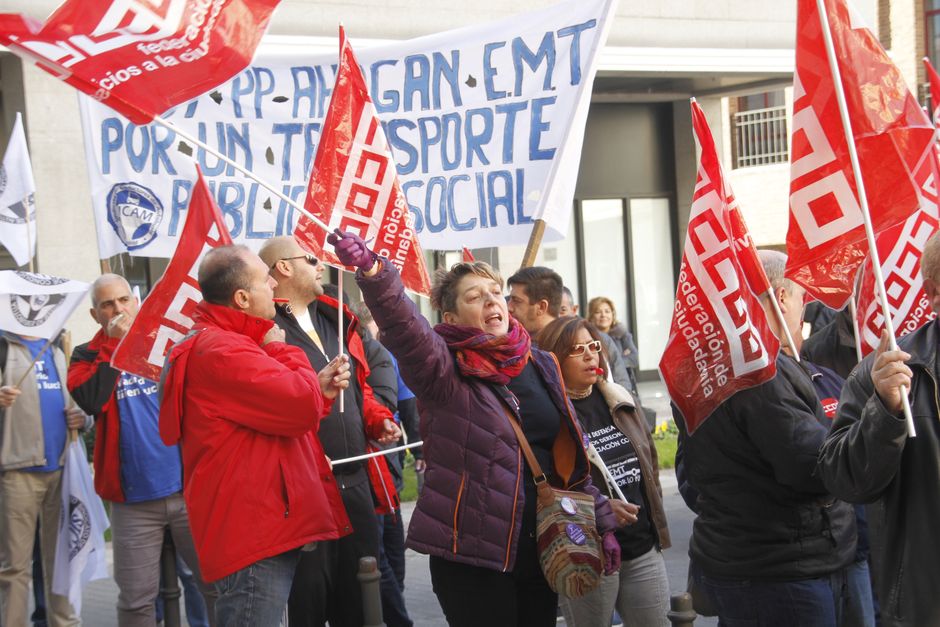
<point>17,210</point>
<point>80,546</point>
<point>37,304</point>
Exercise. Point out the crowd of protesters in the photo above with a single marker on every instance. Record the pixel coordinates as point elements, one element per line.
<point>232,455</point>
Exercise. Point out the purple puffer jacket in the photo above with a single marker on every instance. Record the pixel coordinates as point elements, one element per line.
<point>470,509</point>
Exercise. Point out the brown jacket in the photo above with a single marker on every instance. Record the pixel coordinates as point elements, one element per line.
<point>625,416</point>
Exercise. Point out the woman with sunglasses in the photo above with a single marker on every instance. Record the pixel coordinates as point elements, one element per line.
<point>608,414</point>
<point>472,375</point>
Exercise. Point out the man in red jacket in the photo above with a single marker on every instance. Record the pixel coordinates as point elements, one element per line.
<point>325,586</point>
<point>244,407</point>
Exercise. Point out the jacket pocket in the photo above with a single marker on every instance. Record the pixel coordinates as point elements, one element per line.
<point>460,490</point>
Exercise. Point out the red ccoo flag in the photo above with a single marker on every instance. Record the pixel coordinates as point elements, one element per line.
<point>719,341</point>
<point>164,318</point>
<point>934,91</point>
<point>354,183</point>
<point>826,239</point>
<point>141,58</point>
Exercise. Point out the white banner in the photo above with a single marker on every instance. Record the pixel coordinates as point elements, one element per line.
<point>485,123</point>
<point>37,304</point>
<point>17,209</point>
<point>80,547</point>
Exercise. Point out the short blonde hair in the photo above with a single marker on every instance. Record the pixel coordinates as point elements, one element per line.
<point>444,287</point>
<point>595,303</point>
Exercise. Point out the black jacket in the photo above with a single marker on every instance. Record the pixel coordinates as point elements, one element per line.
<point>763,513</point>
<point>868,458</point>
<point>833,346</point>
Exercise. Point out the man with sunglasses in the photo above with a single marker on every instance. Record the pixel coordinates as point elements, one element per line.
<point>325,584</point>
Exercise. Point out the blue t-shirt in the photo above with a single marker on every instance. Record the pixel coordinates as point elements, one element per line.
<point>51,404</point>
<point>149,469</point>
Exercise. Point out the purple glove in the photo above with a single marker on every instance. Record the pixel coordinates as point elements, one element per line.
<point>611,550</point>
<point>351,250</point>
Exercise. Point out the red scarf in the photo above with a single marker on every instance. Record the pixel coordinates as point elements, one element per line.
<point>486,356</point>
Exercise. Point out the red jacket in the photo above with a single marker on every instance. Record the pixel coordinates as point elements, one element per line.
<point>92,382</point>
<point>256,481</point>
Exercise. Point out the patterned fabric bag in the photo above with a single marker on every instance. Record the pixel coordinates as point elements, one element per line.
<point>569,545</point>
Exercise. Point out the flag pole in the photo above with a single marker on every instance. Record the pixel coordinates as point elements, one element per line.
<point>175,129</point>
<point>863,199</point>
<point>535,240</point>
<point>32,364</point>
<point>29,240</point>
<point>783,323</point>
<point>855,330</point>
<point>339,324</point>
<point>595,458</point>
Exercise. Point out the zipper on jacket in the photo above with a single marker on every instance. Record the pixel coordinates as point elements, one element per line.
<point>515,502</point>
<point>463,479</point>
<point>284,487</point>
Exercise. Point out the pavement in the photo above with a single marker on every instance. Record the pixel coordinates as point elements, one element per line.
<point>100,598</point>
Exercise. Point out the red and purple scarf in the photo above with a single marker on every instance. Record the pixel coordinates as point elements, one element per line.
<point>485,356</point>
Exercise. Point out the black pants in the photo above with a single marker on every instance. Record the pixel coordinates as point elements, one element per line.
<point>325,587</point>
<point>473,597</point>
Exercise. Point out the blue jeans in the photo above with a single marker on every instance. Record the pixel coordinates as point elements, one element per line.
<point>256,595</point>
<point>859,610</point>
<point>742,603</point>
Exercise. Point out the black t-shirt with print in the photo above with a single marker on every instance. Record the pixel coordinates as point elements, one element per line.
<point>618,454</point>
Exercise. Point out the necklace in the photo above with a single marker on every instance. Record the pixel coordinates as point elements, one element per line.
<point>577,396</point>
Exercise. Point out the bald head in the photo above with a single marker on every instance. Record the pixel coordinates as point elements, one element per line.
<point>298,274</point>
<point>279,248</point>
<point>223,271</point>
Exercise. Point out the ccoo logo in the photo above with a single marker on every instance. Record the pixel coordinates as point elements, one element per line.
<point>135,213</point>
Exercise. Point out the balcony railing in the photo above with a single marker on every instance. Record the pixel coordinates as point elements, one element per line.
<point>760,137</point>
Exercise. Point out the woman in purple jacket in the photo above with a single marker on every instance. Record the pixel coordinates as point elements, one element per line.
<point>472,375</point>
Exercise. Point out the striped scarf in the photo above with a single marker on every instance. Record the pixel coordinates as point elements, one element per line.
<point>482,355</point>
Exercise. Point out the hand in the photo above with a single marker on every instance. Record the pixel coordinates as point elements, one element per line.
<point>420,465</point>
<point>888,373</point>
<point>8,395</point>
<point>390,432</point>
<point>274,334</point>
<point>351,250</point>
<point>74,418</point>
<point>119,325</point>
<point>625,513</point>
<point>334,377</point>
<point>611,549</point>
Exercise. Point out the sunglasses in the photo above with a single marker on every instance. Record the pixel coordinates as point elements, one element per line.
<point>311,259</point>
<point>594,346</point>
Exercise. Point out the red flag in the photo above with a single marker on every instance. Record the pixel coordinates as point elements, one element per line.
<point>165,317</point>
<point>719,342</point>
<point>934,91</point>
<point>141,58</point>
<point>826,239</point>
<point>354,184</point>
<point>467,256</point>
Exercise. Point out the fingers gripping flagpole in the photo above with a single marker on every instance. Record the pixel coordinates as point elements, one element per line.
<point>862,197</point>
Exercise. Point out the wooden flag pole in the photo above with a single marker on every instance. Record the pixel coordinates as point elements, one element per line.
<point>535,240</point>
<point>863,199</point>
<point>172,127</point>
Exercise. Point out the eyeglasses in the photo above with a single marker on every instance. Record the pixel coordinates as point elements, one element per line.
<point>594,346</point>
<point>311,259</point>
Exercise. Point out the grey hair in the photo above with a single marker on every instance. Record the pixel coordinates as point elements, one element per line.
<point>775,263</point>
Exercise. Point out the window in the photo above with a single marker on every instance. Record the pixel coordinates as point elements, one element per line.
<point>932,27</point>
<point>759,124</point>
